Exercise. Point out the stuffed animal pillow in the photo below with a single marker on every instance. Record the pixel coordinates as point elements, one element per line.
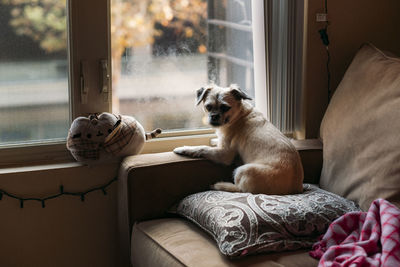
<point>106,136</point>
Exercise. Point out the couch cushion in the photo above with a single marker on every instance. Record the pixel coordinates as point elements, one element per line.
<point>244,224</point>
<point>361,131</point>
<point>176,242</point>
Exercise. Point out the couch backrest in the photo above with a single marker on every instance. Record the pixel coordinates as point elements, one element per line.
<point>361,131</point>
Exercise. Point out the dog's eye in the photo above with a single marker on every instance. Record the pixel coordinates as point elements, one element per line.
<point>225,108</point>
<point>208,107</point>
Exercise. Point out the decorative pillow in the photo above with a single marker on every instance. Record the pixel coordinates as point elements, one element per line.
<point>361,131</point>
<point>243,223</point>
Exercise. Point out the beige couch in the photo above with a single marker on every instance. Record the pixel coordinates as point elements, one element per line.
<point>358,159</point>
<point>150,184</point>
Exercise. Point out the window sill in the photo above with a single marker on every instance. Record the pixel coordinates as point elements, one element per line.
<point>164,144</point>
<point>55,155</point>
<point>57,166</point>
<point>43,167</point>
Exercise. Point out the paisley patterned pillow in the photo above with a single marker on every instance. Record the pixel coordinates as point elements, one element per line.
<point>243,223</point>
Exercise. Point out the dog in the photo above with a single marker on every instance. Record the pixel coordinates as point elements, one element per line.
<point>271,163</point>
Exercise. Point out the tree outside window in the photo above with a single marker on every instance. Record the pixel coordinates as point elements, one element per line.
<point>133,24</point>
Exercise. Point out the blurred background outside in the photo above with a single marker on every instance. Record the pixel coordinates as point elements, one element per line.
<point>162,52</point>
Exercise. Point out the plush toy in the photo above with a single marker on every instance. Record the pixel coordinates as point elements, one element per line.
<point>107,136</point>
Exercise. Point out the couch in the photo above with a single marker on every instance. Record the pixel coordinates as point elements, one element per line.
<point>357,158</point>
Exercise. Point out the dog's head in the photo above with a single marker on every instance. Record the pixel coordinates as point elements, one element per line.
<point>222,104</point>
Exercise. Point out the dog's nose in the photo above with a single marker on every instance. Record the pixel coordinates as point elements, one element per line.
<point>215,117</point>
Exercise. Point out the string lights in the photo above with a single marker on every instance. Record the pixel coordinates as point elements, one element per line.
<point>43,200</point>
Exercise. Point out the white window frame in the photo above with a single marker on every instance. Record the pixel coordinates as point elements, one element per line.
<point>89,23</point>
<point>260,48</point>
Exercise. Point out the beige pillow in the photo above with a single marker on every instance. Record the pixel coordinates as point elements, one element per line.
<point>361,131</point>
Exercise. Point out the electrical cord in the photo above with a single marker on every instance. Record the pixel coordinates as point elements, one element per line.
<point>325,40</point>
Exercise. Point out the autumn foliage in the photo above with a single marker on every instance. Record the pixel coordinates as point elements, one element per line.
<point>132,23</point>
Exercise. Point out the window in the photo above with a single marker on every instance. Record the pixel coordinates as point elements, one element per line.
<point>163,51</point>
<point>34,99</point>
<point>41,74</point>
<point>143,58</point>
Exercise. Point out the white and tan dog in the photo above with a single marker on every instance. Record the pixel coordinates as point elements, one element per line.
<point>272,165</point>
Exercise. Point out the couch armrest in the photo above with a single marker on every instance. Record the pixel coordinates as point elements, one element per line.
<point>149,184</point>
<point>155,182</point>
<point>310,151</point>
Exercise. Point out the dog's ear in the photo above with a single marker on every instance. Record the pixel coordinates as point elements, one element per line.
<point>201,94</point>
<point>238,94</point>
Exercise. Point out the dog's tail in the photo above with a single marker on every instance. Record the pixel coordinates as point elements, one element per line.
<point>225,186</point>
<point>153,134</point>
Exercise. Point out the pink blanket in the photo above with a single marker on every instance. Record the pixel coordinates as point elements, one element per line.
<point>362,238</point>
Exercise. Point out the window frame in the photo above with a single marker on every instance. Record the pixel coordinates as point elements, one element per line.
<point>86,25</point>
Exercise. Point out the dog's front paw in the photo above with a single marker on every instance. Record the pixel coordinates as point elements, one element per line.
<point>180,150</point>
<point>191,151</point>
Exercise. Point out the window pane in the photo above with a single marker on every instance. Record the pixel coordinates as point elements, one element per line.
<point>230,43</point>
<point>33,71</point>
<point>163,51</point>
